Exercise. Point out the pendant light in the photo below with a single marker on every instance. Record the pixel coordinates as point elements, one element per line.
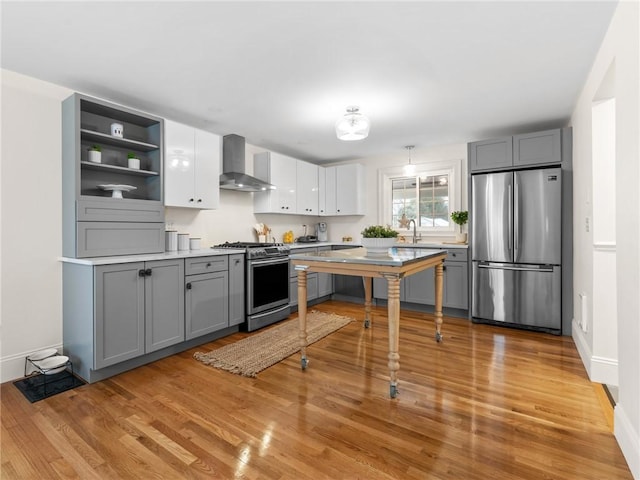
<point>353,125</point>
<point>409,169</point>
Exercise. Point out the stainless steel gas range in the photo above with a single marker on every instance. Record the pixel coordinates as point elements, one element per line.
<point>266,282</point>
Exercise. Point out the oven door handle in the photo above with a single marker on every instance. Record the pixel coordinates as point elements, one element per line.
<point>270,312</point>
<point>270,261</point>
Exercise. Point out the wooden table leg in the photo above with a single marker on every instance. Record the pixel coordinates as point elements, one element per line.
<point>394,331</point>
<point>439,272</point>
<point>368,287</point>
<point>302,315</point>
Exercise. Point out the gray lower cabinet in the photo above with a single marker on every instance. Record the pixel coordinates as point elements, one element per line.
<point>164,304</point>
<point>206,295</point>
<point>312,288</point>
<point>325,280</point>
<point>206,303</point>
<point>120,316</point>
<point>139,308</point>
<point>456,280</point>
<point>318,284</point>
<point>420,287</point>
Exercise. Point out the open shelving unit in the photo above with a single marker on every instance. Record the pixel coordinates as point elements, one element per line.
<point>94,222</point>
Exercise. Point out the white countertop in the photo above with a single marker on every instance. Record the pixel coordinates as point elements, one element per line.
<point>206,252</point>
<point>149,257</point>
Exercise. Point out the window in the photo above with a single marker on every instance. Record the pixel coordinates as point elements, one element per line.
<point>428,197</point>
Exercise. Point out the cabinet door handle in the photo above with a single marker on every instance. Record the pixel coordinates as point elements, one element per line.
<point>236,262</point>
<point>190,200</point>
<point>141,272</point>
<point>147,272</point>
<point>188,286</point>
<point>199,200</point>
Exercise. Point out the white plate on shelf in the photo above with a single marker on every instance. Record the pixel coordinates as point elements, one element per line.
<point>117,189</point>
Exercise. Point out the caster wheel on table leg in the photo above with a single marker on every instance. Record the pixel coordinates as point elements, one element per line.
<point>438,337</point>
<point>393,391</point>
<point>303,363</point>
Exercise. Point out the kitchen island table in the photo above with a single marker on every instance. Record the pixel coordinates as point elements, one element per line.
<point>393,266</point>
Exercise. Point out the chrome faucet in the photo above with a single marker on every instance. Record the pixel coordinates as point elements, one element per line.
<point>415,239</point>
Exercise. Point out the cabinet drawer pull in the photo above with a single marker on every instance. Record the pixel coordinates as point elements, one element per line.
<point>147,272</point>
<point>199,200</point>
<point>191,200</point>
<point>188,286</point>
<point>208,264</point>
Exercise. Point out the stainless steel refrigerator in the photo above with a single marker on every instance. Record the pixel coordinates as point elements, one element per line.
<point>516,248</point>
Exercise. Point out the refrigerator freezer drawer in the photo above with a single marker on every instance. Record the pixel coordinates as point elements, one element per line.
<point>530,295</point>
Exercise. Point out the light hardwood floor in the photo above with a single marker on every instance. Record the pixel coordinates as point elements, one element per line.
<point>487,403</point>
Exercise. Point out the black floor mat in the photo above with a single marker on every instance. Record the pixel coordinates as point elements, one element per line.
<point>35,388</point>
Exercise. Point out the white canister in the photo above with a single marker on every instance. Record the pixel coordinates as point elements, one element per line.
<point>183,241</point>
<point>171,240</point>
<point>117,130</point>
<point>194,244</point>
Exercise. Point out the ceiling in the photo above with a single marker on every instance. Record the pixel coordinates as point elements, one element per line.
<point>281,73</point>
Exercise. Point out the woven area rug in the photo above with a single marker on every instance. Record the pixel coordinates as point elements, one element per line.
<point>261,350</point>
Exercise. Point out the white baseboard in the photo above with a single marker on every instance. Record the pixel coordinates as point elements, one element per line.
<point>628,439</point>
<point>12,367</point>
<point>604,370</point>
<point>584,350</point>
<point>599,369</point>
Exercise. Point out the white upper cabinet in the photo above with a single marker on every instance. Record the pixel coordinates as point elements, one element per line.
<point>307,184</point>
<point>192,167</point>
<point>280,171</point>
<point>342,190</point>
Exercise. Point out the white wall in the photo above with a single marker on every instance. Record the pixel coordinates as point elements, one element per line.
<point>621,44</point>
<point>352,226</point>
<point>30,207</point>
<point>31,312</point>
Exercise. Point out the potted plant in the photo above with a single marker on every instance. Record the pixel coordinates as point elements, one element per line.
<point>133,161</point>
<point>460,218</point>
<point>95,154</point>
<point>378,239</point>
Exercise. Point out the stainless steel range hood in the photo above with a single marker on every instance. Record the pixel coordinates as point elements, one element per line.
<point>233,166</point>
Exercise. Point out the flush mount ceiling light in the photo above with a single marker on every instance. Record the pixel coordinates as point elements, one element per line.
<point>409,169</point>
<point>353,125</point>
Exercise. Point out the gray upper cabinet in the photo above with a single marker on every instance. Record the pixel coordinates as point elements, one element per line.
<point>104,186</point>
<point>491,154</point>
<point>537,148</point>
<point>531,149</point>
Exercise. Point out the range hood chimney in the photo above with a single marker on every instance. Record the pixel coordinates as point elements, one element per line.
<point>233,166</point>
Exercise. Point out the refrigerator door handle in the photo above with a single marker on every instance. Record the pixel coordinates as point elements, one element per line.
<point>516,218</point>
<point>510,221</point>
<point>518,268</point>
